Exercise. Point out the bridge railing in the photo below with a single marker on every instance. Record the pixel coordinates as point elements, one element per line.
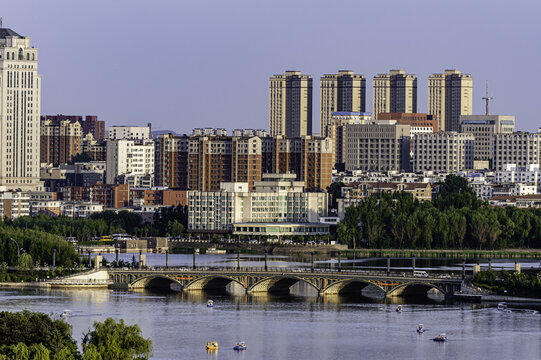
<point>283,270</point>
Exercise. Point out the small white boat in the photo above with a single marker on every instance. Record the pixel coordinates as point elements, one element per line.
<point>502,306</point>
<point>399,309</point>
<point>66,314</point>
<point>420,328</point>
<point>210,303</point>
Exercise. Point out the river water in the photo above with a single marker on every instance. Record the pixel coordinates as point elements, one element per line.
<point>295,326</point>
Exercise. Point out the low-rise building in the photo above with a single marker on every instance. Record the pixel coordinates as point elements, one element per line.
<point>14,204</point>
<point>278,198</point>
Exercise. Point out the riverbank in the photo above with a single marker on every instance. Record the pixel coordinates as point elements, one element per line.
<point>257,249</point>
<point>451,254</point>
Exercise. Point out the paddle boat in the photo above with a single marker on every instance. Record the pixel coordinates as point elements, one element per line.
<point>240,346</point>
<point>210,303</point>
<point>212,345</point>
<point>440,338</point>
<point>502,306</point>
<point>420,328</point>
<point>399,309</point>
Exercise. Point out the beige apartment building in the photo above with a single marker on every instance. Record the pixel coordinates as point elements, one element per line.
<point>336,131</point>
<point>342,92</point>
<point>443,152</point>
<point>377,146</point>
<point>394,92</point>
<point>519,148</point>
<point>61,140</point>
<point>290,104</point>
<point>450,96</point>
<point>483,128</point>
<point>20,93</point>
<point>200,162</point>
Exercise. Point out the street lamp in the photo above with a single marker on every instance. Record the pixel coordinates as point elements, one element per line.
<point>18,249</point>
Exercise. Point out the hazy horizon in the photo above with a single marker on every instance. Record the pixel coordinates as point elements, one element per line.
<point>181,65</point>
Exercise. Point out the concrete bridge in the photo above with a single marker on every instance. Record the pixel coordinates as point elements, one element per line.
<point>257,280</point>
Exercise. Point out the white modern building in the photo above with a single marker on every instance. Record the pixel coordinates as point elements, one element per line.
<point>513,174</point>
<point>128,157</point>
<point>121,132</point>
<point>279,206</point>
<point>20,91</point>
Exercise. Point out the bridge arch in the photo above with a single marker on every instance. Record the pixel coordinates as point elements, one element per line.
<point>415,288</point>
<point>353,286</point>
<point>211,282</point>
<point>152,281</point>
<point>279,283</point>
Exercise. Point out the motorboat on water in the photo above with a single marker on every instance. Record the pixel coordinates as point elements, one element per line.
<point>399,309</point>
<point>502,306</point>
<point>240,346</point>
<point>212,345</point>
<point>210,303</point>
<point>440,338</point>
<point>66,314</point>
<point>420,328</point>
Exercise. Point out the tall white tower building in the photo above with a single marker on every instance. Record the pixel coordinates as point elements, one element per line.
<point>20,87</point>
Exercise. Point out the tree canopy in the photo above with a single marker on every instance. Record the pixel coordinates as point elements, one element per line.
<point>35,336</point>
<point>456,220</point>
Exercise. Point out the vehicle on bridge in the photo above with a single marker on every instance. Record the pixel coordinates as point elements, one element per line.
<point>419,273</point>
<point>212,345</point>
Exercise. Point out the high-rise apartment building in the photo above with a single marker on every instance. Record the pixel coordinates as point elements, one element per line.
<point>449,97</point>
<point>199,162</point>
<point>61,140</point>
<point>395,92</point>
<point>483,128</point>
<point>519,148</point>
<point>443,152</point>
<point>342,92</point>
<point>336,132</point>
<point>129,158</point>
<point>290,104</point>
<point>90,124</point>
<point>20,87</point>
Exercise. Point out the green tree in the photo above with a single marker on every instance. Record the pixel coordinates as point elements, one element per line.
<point>117,341</point>
<point>40,352</point>
<point>25,262</point>
<point>174,228</point>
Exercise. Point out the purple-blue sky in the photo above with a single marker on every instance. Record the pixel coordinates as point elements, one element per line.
<point>184,64</point>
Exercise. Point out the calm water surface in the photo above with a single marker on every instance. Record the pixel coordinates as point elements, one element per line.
<point>296,327</point>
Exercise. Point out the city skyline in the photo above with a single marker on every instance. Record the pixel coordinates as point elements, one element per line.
<point>208,49</point>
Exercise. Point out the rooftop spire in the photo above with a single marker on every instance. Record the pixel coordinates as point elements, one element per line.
<point>487,99</point>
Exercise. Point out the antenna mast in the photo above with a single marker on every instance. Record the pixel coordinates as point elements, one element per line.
<point>487,100</point>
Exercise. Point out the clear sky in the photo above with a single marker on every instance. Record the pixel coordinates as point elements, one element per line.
<point>184,64</point>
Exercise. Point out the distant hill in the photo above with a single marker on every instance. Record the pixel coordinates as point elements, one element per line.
<point>156,133</point>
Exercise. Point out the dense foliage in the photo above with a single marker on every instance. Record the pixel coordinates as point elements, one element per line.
<point>36,246</point>
<point>29,335</point>
<point>26,329</point>
<point>168,222</point>
<point>509,283</point>
<point>457,219</point>
<point>116,341</point>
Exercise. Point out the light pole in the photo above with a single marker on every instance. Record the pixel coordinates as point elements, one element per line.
<point>18,249</point>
